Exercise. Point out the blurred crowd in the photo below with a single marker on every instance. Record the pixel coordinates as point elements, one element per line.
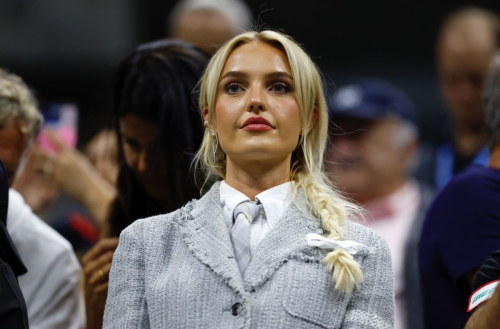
<point>438,208</point>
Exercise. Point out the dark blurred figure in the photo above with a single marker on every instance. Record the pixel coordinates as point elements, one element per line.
<point>159,131</point>
<point>208,23</point>
<point>13,313</point>
<point>462,226</point>
<point>466,44</point>
<point>51,287</point>
<point>484,301</point>
<point>374,142</point>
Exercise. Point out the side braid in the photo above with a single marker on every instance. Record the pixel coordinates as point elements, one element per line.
<point>332,209</point>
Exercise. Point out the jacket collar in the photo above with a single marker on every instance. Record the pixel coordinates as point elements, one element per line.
<point>208,239</point>
<point>286,240</point>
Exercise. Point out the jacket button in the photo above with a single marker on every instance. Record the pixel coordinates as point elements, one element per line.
<point>236,309</point>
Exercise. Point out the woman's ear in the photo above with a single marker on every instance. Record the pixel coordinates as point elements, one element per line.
<point>314,118</point>
<point>205,114</point>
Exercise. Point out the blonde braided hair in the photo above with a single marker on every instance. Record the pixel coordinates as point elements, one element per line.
<point>307,160</point>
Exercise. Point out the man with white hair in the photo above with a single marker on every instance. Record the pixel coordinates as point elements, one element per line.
<point>373,145</point>
<point>51,286</point>
<point>462,228</point>
<point>209,23</point>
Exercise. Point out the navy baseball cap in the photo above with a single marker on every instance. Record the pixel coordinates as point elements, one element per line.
<point>372,99</point>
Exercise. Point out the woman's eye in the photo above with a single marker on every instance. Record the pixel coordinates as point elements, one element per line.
<point>281,88</point>
<point>132,143</point>
<point>233,88</point>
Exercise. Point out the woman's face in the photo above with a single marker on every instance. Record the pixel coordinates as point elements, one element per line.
<point>256,113</point>
<point>138,137</point>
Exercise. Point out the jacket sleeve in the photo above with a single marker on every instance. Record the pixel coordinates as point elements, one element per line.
<point>372,305</point>
<point>126,305</point>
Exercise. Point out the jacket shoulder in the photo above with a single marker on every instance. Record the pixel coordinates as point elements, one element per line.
<point>364,235</point>
<point>157,225</point>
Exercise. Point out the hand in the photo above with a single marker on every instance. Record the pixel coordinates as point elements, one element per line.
<point>38,192</point>
<point>68,167</point>
<point>96,268</point>
<point>97,264</point>
<point>76,177</point>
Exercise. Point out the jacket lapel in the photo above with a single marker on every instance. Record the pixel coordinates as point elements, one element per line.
<point>284,240</point>
<point>208,238</point>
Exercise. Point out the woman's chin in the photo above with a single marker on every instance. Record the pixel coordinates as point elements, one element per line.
<point>259,154</point>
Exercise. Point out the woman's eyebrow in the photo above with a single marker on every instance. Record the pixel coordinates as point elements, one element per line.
<point>271,75</point>
<point>235,74</point>
<point>278,74</point>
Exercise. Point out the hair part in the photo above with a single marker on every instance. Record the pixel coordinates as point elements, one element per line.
<point>17,100</point>
<point>325,202</point>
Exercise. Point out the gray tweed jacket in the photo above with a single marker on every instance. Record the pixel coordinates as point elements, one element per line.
<point>178,271</point>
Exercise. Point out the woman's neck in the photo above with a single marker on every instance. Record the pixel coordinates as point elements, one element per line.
<point>254,177</point>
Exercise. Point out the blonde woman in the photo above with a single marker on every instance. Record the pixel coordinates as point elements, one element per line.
<point>269,245</point>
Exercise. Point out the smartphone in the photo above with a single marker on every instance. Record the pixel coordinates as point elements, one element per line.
<point>62,119</point>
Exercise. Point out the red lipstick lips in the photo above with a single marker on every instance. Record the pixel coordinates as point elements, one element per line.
<point>256,124</point>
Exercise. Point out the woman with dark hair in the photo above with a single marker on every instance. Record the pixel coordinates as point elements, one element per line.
<point>159,131</point>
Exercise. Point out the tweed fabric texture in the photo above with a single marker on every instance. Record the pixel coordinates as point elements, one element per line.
<point>178,271</point>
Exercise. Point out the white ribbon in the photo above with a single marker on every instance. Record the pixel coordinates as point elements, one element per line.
<point>316,240</point>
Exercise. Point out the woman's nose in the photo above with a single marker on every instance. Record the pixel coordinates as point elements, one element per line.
<point>257,103</point>
<point>142,163</point>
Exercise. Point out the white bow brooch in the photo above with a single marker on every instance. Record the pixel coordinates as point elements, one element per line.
<point>316,240</point>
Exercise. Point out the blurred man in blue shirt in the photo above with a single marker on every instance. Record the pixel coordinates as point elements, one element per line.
<point>462,226</point>
<point>466,44</point>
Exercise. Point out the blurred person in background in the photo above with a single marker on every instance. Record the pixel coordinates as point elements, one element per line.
<point>462,226</point>
<point>102,151</point>
<point>73,218</point>
<point>208,23</point>
<point>38,192</point>
<point>51,286</point>
<point>466,44</point>
<point>13,312</point>
<point>159,131</point>
<point>373,147</point>
<point>69,216</point>
<point>77,216</point>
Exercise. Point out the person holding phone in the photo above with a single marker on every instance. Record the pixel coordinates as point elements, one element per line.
<point>270,245</point>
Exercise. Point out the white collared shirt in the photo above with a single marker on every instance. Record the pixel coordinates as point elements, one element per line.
<point>274,201</point>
